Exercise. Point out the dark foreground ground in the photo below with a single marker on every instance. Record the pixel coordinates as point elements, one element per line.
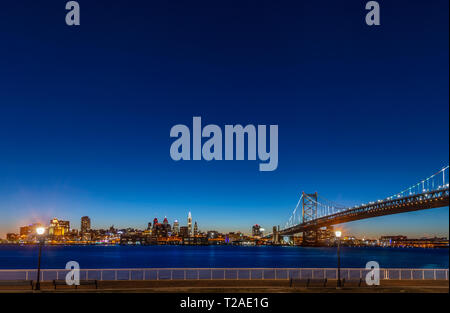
<point>241,286</point>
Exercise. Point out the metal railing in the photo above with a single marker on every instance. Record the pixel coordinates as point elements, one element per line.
<point>224,274</point>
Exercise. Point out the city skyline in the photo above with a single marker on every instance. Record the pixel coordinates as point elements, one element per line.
<point>60,231</point>
<point>437,179</point>
<point>349,231</point>
<point>85,120</point>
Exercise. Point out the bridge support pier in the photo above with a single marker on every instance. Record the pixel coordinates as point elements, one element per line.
<point>275,235</point>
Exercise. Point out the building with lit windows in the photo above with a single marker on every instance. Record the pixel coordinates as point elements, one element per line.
<point>184,232</point>
<point>58,227</point>
<point>176,227</point>
<point>195,229</point>
<point>256,231</point>
<point>85,224</point>
<point>189,224</point>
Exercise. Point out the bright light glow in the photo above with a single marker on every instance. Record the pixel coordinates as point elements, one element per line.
<point>338,233</point>
<point>40,230</point>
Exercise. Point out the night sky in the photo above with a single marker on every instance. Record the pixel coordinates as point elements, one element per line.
<point>85,112</point>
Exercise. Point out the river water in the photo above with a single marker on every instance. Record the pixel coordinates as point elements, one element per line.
<point>55,257</point>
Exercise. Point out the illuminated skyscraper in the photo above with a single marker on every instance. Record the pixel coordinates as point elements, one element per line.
<point>176,227</point>
<point>256,231</point>
<point>85,224</point>
<point>167,229</point>
<point>189,224</point>
<point>156,229</point>
<point>195,229</point>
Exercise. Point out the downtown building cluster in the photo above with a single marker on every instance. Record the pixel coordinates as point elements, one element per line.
<point>163,233</point>
<point>157,233</point>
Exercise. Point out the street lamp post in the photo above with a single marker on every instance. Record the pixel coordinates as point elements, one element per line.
<point>40,231</point>
<point>338,236</point>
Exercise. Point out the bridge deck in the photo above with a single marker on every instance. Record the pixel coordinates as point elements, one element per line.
<point>428,200</point>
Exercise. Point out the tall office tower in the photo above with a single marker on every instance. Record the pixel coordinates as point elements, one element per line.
<point>166,228</point>
<point>189,224</point>
<point>176,227</point>
<point>149,226</point>
<point>184,231</point>
<point>85,224</point>
<point>157,228</point>
<point>155,223</point>
<point>256,231</point>
<point>195,229</point>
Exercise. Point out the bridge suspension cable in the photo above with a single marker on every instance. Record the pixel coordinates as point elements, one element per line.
<point>324,207</point>
<point>437,181</point>
<point>295,216</point>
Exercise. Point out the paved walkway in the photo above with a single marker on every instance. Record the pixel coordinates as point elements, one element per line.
<point>237,286</point>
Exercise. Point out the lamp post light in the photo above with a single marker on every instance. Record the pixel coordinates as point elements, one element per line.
<point>338,234</point>
<point>40,232</point>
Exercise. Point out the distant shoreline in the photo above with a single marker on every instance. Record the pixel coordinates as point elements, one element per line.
<point>199,245</point>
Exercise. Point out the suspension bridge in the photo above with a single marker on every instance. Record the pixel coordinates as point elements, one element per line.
<point>314,212</point>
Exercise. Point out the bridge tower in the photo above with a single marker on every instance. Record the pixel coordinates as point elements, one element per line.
<point>309,212</point>
<point>275,236</point>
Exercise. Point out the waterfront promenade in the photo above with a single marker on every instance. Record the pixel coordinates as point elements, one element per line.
<point>211,280</point>
<point>241,286</point>
<point>226,274</point>
<point>223,269</point>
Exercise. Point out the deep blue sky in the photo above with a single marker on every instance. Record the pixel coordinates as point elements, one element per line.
<point>85,112</point>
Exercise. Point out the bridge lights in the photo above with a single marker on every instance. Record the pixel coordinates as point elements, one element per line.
<point>338,235</point>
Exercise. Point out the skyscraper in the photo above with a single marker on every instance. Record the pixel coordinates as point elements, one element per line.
<point>85,224</point>
<point>189,224</point>
<point>176,227</point>
<point>195,229</point>
<point>156,229</point>
<point>167,229</point>
<point>256,231</point>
